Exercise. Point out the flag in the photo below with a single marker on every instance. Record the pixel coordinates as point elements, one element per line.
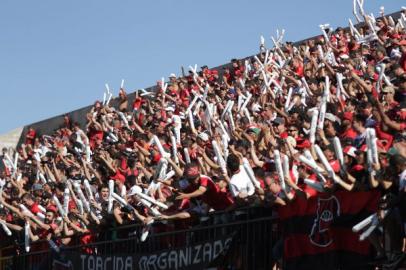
<point>318,231</point>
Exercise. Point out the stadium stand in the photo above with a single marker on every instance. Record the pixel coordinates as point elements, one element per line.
<point>294,158</point>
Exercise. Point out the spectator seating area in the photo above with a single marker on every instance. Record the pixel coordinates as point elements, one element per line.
<point>288,124</point>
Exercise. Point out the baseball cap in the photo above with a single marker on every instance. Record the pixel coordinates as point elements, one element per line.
<point>302,143</point>
<point>203,136</point>
<point>173,75</point>
<point>254,129</point>
<point>134,190</point>
<point>279,120</point>
<point>36,187</point>
<point>363,148</point>
<point>191,171</point>
<point>331,117</point>
<point>351,151</point>
<point>347,116</point>
<point>52,208</point>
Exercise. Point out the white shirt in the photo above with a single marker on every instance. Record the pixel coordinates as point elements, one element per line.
<point>241,182</point>
<point>177,121</point>
<point>81,134</point>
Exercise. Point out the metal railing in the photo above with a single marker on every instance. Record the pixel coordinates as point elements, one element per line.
<point>253,232</point>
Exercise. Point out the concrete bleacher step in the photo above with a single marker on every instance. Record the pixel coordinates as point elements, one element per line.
<point>11,138</point>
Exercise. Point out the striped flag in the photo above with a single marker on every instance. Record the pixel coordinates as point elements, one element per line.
<point>317,232</point>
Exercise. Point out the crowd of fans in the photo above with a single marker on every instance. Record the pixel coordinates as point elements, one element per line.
<point>293,121</point>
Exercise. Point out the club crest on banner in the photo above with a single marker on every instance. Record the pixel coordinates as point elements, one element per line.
<point>327,211</point>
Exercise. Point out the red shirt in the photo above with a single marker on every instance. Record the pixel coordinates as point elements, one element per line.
<point>335,165</point>
<point>349,133</point>
<point>137,103</point>
<point>131,172</point>
<point>94,136</point>
<point>30,141</point>
<point>383,136</point>
<point>34,208</point>
<point>118,177</point>
<point>86,239</point>
<point>213,196</point>
<point>184,95</point>
<point>299,71</point>
<point>42,234</point>
<point>311,192</point>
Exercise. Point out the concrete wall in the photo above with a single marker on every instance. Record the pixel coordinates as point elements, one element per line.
<point>11,138</point>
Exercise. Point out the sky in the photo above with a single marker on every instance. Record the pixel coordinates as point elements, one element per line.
<point>56,56</point>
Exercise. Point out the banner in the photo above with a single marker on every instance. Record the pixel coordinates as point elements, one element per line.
<point>197,256</point>
<point>317,232</point>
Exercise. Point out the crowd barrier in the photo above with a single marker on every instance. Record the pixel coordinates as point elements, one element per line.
<point>243,239</point>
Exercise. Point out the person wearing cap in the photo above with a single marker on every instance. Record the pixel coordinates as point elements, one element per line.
<point>388,96</point>
<point>279,124</point>
<point>202,139</point>
<point>37,190</point>
<point>331,126</point>
<point>202,187</point>
<point>354,163</point>
<point>394,124</point>
<point>346,128</point>
<point>200,148</point>
<point>172,77</point>
<point>30,136</point>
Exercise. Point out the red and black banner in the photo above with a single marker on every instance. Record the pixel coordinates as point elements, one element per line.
<point>317,231</point>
